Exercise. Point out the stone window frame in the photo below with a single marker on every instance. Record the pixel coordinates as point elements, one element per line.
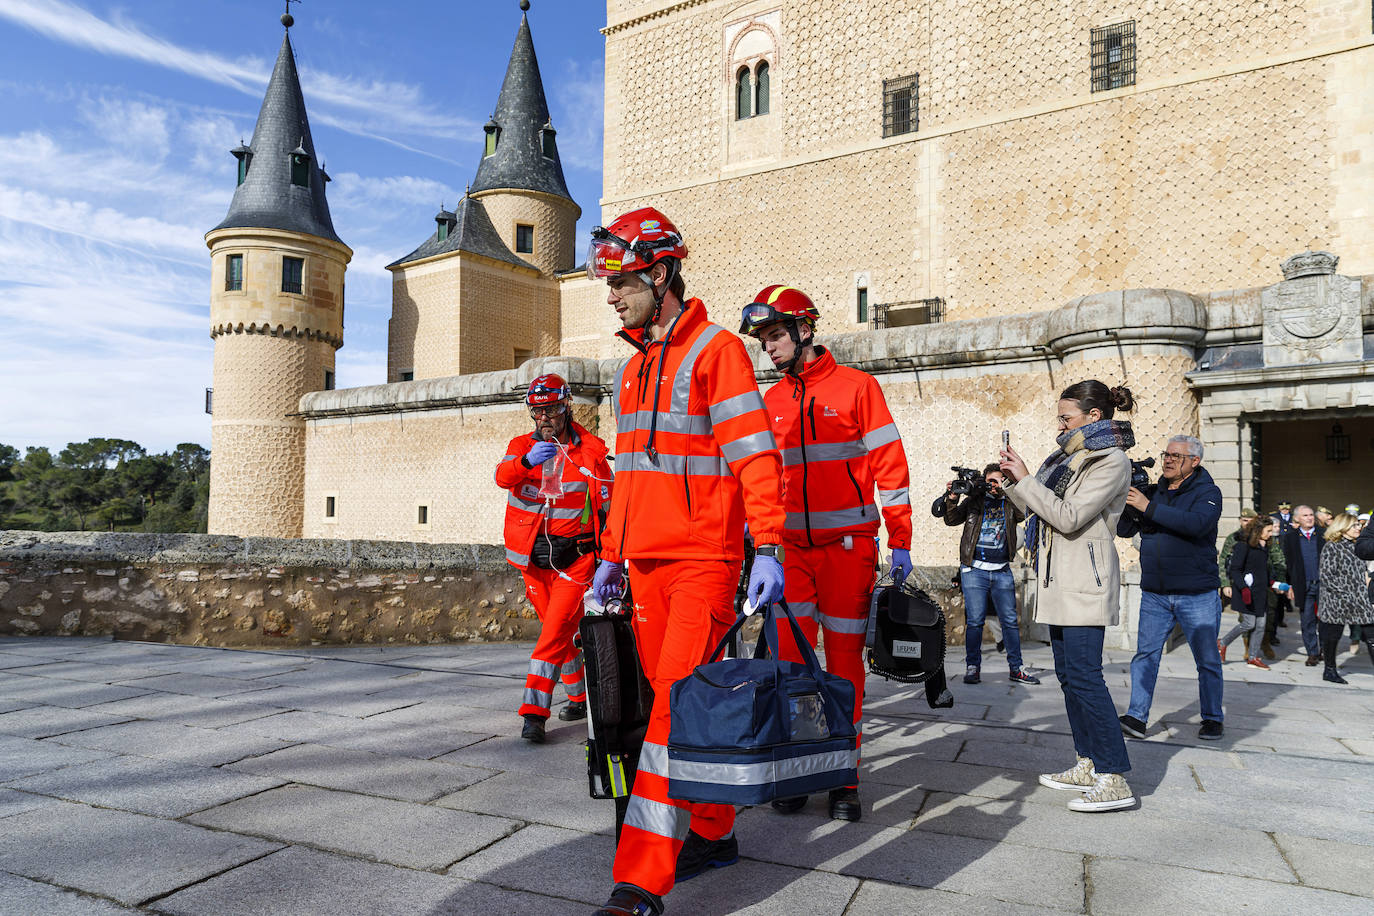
<point>423,517</point>
<point>304,273</point>
<point>736,67</point>
<point>533,238</point>
<point>229,260</point>
<point>331,502</point>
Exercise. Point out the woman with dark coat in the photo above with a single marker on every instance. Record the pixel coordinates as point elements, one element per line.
<point>1249,572</point>
<point>1344,591</point>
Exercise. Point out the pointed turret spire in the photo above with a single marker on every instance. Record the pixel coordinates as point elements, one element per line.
<point>521,152</point>
<point>281,183</point>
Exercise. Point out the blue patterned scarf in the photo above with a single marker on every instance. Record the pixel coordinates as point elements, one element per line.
<point>1075,448</point>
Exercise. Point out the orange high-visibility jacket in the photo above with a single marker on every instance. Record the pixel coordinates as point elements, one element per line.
<point>694,456</point>
<point>838,440</point>
<point>576,512</point>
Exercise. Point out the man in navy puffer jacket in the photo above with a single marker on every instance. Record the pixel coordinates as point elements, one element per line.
<point>1177,522</point>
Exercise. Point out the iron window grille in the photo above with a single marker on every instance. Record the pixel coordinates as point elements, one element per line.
<point>292,274</point>
<point>901,105</point>
<point>914,311</point>
<point>1113,56</point>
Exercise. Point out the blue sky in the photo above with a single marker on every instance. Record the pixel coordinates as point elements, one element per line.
<point>114,162</point>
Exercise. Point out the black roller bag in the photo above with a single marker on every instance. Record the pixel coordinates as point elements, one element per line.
<point>619,701</point>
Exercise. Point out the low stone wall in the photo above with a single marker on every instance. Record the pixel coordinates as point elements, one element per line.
<point>227,591</point>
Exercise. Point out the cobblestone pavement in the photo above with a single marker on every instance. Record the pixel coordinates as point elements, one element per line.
<point>139,777</point>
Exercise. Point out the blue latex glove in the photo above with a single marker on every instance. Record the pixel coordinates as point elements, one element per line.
<point>541,452</point>
<point>608,582</point>
<point>765,582</point>
<point>901,564</point>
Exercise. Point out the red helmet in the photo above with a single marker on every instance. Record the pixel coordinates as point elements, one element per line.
<point>634,242</point>
<point>547,389</point>
<point>778,303</point>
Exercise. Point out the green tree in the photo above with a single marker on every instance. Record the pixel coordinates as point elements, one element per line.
<point>9,457</point>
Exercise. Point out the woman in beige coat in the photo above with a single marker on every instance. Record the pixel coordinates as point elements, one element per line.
<point>1074,502</point>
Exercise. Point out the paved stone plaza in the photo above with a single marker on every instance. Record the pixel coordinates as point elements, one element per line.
<point>139,777</point>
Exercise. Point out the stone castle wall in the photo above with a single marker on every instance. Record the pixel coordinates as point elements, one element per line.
<point>1246,137</point>
<point>260,592</point>
<point>554,220</point>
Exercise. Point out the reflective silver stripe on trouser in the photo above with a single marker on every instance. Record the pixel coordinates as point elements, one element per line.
<point>519,559</point>
<point>682,382</point>
<point>737,406</point>
<point>657,817</point>
<point>823,451</point>
<point>898,497</point>
<point>572,677</point>
<point>541,698</point>
<point>842,624</point>
<point>802,609</point>
<point>756,774</point>
<point>836,518</point>
<point>881,436</point>
<point>653,758</point>
<point>547,670</point>
<point>677,465</point>
<point>748,446</point>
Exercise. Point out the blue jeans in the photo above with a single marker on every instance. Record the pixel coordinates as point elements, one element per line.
<point>1310,640</point>
<point>1200,618</point>
<point>1092,714</point>
<point>979,585</point>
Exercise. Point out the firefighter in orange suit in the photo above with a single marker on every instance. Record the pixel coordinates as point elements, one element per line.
<point>551,529</point>
<point>694,460</point>
<point>838,441</point>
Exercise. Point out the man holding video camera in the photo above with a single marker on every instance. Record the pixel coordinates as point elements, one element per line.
<point>986,548</point>
<point>1177,522</point>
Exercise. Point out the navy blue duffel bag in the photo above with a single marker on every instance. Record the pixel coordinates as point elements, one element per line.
<point>748,730</point>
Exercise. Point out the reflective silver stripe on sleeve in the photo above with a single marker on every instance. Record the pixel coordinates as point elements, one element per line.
<point>737,406</point>
<point>843,624</point>
<point>509,458</point>
<point>836,518</point>
<point>688,424</point>
<point>657,818</point>
<point>897,497</point>
<point>696,465</point>
<point>748,446</point>
<point>547,670</point>
<point>519,559</point>
<point>755,774</point>
<point>653,758</point>
<point>822,451</point>
<point>682,383</point>
<point>881,436</point>
<point>539,698</point>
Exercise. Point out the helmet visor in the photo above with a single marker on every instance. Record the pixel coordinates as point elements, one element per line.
<point>759,315</point>
<point>607,257</point>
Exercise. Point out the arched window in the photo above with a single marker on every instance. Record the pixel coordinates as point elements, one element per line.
<point>744,94</point>
<point>761,89</point>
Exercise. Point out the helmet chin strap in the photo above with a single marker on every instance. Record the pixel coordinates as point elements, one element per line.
<point>647,277</point>
<point>790,367</point>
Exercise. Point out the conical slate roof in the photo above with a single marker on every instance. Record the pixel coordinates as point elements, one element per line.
<point>267,199</point>
<point>471,231</point>
<point>522,113</point>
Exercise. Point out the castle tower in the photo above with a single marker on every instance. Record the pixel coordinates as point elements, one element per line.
<point>276,316</point>
<point>520,179</point>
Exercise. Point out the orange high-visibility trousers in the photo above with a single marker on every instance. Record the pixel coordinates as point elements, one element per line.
<point>682,609</point>
<point>558,602</point>
<point>830,588</point>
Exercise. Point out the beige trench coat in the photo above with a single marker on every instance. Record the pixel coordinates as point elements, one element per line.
<point>1079,583</point>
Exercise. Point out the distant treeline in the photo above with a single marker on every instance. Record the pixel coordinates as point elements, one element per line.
<point>105,485</point>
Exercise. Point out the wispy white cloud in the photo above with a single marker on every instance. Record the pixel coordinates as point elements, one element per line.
<point>579,92</point>
<point>388,105</point>
<point>351,190</point>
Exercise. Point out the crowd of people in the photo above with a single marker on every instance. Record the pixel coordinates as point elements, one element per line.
<point>812,470</point>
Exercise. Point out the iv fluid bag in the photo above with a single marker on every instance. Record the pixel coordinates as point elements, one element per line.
<point>551,481</point>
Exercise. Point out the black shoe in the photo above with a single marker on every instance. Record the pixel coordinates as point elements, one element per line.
<point>1021,677</point>
<point>1132,726</point>
<point>845,804</point>
<point>1274,640</point>
<point>699,854</point>
<point>628,900</point>
<point>971,675</point>
<point>573,712</point>
<point>1001,645</point>
<point>789,805</point>
<point>1334,676</point>
<point>1313,661</point>
<point>1211,730</point>
<point>533,732</point>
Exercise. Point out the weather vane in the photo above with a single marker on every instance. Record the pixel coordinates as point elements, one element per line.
<point>286,18</point>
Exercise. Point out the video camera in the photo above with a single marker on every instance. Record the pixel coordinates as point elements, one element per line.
<point>970,482</point>
<point>1139,478</point>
